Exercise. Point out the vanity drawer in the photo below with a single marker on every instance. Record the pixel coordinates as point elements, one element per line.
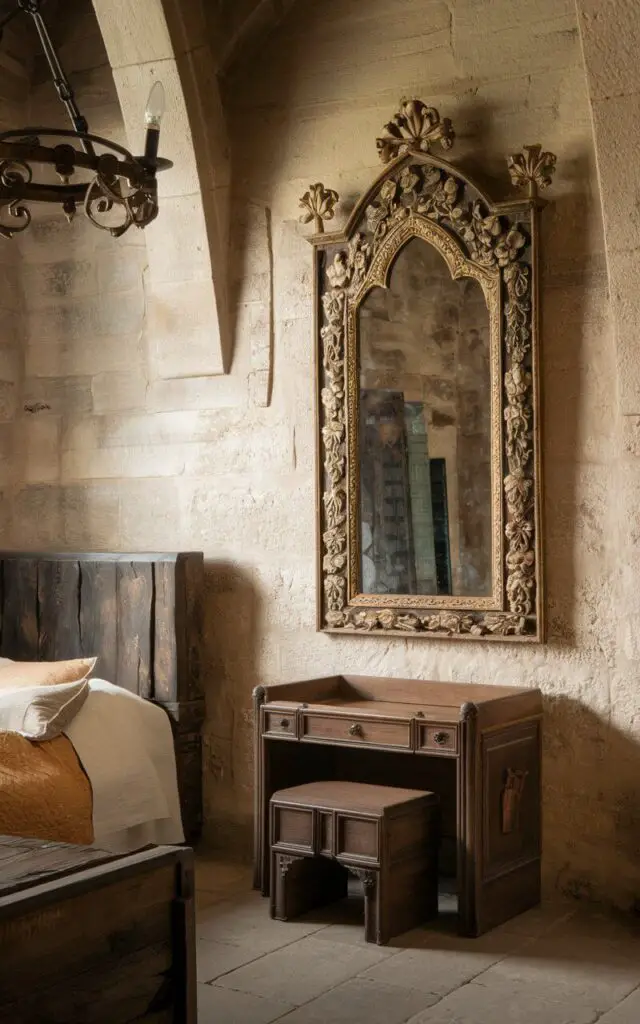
<point>280,723</point>
<point>435,739</point>
<point>357,731</point>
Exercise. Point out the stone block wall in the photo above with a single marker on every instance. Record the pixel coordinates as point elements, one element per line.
<point>16,66</point>
<point>507,74</point>
<point>121,442</point>
<point>83,313</point>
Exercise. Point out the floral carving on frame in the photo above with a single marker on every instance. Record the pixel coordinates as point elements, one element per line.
<point>418,195</point>
<point>415,127</point>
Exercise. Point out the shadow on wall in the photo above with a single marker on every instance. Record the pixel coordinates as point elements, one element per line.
<point>231,660</point>
<point>590,769</point>
<point>574,528</point>
<point>590,798</point>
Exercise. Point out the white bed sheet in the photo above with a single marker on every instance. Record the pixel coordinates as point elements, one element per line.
<point>125,745</point>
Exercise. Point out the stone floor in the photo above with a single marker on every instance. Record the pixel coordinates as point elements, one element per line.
<point>557,964</point>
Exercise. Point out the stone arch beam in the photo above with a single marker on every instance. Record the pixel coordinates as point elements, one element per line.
<point>187,245</point>
<point>610,36</point>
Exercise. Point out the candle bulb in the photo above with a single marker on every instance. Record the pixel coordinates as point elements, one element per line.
<point>152,118</point>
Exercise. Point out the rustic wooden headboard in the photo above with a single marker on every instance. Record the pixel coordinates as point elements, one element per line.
<point>141,614</point>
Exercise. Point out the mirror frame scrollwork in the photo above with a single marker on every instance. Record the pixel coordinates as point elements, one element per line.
<point>420,195</point>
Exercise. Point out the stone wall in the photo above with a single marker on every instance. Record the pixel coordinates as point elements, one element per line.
<point>84,305</point>
<point>123,457</point>
<point>16,67</point>
<point>507,73</point>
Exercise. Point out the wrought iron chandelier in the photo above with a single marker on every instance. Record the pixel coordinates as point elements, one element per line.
<point>118,189</point>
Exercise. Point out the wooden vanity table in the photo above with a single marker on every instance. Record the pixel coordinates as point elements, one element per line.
<point>477,747</point>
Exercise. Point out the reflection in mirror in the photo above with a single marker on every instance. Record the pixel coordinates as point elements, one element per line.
<point>425,431</point>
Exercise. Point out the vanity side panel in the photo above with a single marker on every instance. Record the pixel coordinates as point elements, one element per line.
<point>508,876</point>
<point>519,706</point>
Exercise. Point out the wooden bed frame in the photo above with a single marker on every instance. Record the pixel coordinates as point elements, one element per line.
<point>141,614</point>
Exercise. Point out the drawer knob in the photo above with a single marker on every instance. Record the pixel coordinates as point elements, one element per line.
<point>441,738</point>
<point>284,723</point>
<point>356,729</point>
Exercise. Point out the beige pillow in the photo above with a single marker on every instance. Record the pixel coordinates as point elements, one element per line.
<point>18,674</point>
<point>41,712</point>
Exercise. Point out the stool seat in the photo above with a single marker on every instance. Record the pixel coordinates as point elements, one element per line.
<point>387,837</point>
<point>350,796</point>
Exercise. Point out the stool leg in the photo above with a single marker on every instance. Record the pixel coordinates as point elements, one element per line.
<point>285,894</point>
<point>408,897</point>
<point>372,923</point>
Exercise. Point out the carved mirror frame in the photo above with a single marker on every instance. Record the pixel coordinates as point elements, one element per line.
<point>419,195</point>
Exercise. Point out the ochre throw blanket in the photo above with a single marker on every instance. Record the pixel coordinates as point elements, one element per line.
<point>44,793</point>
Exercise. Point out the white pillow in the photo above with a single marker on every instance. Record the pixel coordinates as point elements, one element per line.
<point>17,674</point>
<point>41,712</point>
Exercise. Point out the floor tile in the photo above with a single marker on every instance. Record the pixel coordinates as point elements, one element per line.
<point>605,928</point>
<point>432,936</point>
<point>626,1012</point>
<point>245,919</point>
<point>206,899</point>
<point>218,958</point>
<point>302,971</point>
<point>215,875</point>
<point>360,1001</point>
<point>344,921</point>
<point>560,963</point>
<point>596,973</point>
<point>539,920</point>
<point>437,971</point>
<point>222,1006</point>
<point>516,1003</point>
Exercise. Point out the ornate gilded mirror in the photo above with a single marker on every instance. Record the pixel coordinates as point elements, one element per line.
<point>427,381</point>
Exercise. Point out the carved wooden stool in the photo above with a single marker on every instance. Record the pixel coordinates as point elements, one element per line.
<point>387,837</point>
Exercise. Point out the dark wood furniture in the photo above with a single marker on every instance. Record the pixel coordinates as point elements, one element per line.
<point>91,938</point>
<point>476,747</point>
<point>386,837</point>
<point>140,614</point>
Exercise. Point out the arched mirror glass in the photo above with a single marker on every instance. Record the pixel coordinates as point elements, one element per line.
<point>425,431</point>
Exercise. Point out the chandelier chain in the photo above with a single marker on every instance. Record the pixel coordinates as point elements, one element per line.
<point>121,184</point>
<point>61,82</point>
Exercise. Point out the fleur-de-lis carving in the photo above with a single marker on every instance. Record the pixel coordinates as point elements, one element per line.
<point>318,205</point>
<point>532,169</point>
<point>415,126</point>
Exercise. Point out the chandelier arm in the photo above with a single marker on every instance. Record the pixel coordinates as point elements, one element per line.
<point>34,192</point>
<point>60,80</point>
<point>20,219</point>
<point>22,134</point>
<point>126,167</point>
